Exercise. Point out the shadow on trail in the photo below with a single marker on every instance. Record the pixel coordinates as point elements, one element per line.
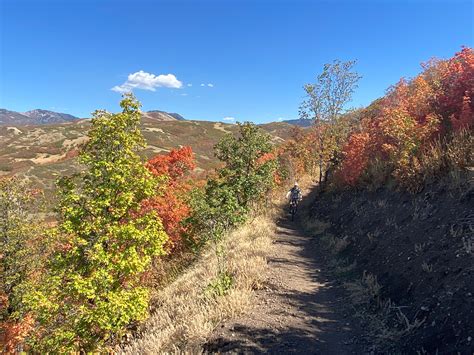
<point>310,309</point>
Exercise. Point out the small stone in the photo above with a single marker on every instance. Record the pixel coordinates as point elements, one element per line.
<point>469,339</point>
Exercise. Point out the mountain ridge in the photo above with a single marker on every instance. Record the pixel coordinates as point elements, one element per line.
<point>47,117</point>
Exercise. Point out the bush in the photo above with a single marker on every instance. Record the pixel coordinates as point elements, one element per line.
<point>21,260</point>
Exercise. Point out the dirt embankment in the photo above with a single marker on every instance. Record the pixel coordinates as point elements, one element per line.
<point>411,257</point>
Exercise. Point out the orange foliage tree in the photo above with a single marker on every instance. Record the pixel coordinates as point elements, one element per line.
<point>297,155</point>
<point>170,203</point>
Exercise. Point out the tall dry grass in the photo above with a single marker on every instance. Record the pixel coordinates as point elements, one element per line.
<point>186,314</point>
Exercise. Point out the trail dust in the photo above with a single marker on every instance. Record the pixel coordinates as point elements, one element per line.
<point>299,311</point>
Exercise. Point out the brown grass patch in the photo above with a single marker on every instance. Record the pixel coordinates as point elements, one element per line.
<point>186,314</point>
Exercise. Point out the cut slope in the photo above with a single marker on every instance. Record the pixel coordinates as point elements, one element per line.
<point>420,248</point>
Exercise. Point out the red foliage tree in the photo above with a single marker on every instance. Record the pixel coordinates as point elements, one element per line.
<point>170,203</point>
<point>175,164</point>
<point>355,158</point>
<point>456,94</point>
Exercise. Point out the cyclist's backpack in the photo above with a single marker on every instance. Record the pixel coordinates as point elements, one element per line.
<point>295,194</point>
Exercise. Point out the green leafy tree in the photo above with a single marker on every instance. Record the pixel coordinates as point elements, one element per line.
<point>249,164</point>
<point>243,182</point>
<point>214,209</point>
<point>93,290</point>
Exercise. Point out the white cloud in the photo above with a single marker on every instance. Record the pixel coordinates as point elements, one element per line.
<point>147,81</point>
<point>229,119</point>
<point>208,85</point>
<point>279,119</point>
<point>190,85</point>
<point>184,94</point>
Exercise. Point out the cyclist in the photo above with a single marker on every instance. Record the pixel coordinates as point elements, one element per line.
<point>294,195</point>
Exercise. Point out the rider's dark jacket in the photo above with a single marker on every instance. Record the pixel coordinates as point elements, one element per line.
<point>295,192</point>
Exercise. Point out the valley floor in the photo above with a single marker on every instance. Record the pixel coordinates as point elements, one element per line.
<point>300,310</point>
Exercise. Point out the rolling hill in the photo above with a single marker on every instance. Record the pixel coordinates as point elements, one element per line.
<point>42,151</point>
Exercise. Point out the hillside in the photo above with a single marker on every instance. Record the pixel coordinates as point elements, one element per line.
<point>40,151</point>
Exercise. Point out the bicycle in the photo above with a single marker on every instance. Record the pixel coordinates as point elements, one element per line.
<point>293,207</point>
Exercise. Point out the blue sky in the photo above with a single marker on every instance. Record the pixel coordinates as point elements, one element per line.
<point>68,55</point>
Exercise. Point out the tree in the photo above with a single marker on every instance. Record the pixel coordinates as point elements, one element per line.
<point>170,203</point>
<point>93,288</point>
<point>249,163</point>
<point>245,178</point>
<point>325,102</point>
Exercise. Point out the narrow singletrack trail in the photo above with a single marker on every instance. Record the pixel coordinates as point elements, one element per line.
<point>301,309</point>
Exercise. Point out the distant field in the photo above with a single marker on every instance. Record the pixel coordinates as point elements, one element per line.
<point>42,152</point>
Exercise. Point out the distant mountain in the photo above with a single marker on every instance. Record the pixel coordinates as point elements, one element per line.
<point>177,116</point>
<point>163,116</point>
<point>300,122</point>
<point>36,117</point>
<point>44,117</point>
<point>13,118</point>
<point>47,117</point>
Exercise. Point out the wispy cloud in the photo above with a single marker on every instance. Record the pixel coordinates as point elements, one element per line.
<point>210,85</point>
<point>203,85</point>
<point>147,81</point>
<point>189,85</point>
<point>229,119</point>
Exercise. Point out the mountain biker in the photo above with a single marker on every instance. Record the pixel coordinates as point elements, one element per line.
<point>294,195</point>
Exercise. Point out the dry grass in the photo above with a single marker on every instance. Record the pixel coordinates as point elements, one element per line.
<point>186,314</point>
<point>384,322</point>
<point>315,226</point>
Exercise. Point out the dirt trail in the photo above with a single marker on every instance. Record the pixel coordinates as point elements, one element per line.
<point>299,311</point>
